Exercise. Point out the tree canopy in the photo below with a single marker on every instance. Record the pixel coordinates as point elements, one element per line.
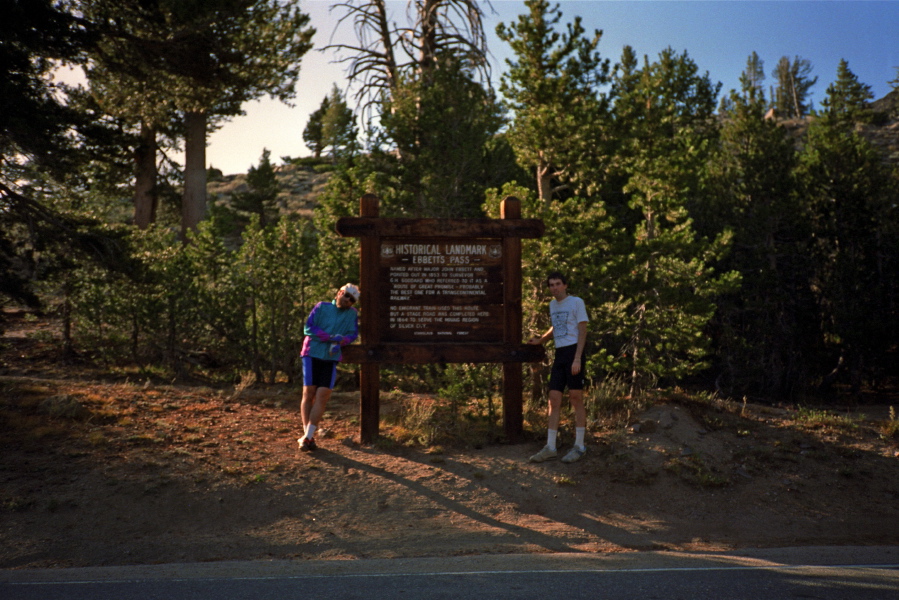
<point>200,60</point>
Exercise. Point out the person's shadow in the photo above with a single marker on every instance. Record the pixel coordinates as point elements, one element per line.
<point>521,535</point>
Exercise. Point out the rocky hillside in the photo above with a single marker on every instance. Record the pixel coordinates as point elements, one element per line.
<point>889,104</point>
<point>300,186</point>
<point>884,135</point>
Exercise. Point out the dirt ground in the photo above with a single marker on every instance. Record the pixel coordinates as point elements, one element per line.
<point>100,470</point>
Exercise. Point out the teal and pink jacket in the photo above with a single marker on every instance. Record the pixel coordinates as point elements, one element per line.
<point>328,329</point>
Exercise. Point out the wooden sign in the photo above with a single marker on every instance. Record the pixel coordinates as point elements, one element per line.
<point>440,291</point>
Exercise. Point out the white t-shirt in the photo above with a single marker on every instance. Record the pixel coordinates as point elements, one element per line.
<point>565,316</point>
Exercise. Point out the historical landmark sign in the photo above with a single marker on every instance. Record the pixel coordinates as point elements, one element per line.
<point>440,291</point>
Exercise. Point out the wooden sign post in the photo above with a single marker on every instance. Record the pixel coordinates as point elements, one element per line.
<point>440,291</point>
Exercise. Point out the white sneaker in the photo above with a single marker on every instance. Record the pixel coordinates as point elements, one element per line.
<point>543,455</point>
<point>574,455</point>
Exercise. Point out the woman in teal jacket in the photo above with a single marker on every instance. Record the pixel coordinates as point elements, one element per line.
<point>329,327</point>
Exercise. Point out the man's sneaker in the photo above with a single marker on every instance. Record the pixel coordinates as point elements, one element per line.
<point>307,444</point>
<point>574,455</point>
<point>543,455</point>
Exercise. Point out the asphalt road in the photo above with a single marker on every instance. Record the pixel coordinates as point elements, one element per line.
<point>774,574</point>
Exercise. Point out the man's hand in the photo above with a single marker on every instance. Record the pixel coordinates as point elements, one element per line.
<point>337,338</point>
<point>535,340</point>
<point>576,366</point>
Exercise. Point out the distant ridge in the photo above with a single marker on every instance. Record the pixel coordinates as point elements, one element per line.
<point>301,185</point>
<point>884,135</point>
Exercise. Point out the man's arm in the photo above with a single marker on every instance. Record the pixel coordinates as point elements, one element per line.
<point>351,337</point>
<point>312,328</point>
<point>535,340</point>
<point>581,342</point>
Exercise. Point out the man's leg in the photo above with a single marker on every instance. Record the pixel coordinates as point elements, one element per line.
<point>555,406</point>
<point>555,409</point>
<point>554,418</point>
<point>317,410</point>
<point>309,392</point>
<point>309,389</point>
<point>576,397</point>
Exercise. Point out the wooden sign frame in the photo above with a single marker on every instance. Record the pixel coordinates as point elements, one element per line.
<point>377,347</point>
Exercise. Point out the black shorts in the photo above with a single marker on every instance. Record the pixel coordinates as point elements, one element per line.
<point>318,372</point>
<point>560,377</point>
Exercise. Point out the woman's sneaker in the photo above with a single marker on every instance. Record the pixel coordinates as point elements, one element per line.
<point>574,455</point>
<point>544,455</point>
<point>307,445</point>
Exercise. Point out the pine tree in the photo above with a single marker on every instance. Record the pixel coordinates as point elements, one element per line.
<point>260,198</point>
<point>552,87</point>
<point>585,241</point>
<point>440,129</point>
<point>313,134</point>
<point>332,125</point>
<point>665,111</point>
<point>338,127</point>
<point>791,96</point>
<point>43,140</point>
<point>35,121</point>
<point>765,331</point>
<point>852,209</point>
<point>752,77</point>
<point>429,118</point>
<point>847,98</point>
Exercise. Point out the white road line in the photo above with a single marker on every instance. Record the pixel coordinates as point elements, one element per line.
<point>465,573</point>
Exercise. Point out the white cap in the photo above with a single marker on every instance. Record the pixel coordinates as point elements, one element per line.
<point>351,290</point>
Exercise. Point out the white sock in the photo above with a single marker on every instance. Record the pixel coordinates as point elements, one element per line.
<point>579,433</point>
<point>551,438</point>
<point>310,431</point>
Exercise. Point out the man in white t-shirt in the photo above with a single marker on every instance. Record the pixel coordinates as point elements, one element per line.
<point>569,332</point>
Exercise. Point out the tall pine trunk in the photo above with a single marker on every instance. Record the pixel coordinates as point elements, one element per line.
<point>544,182</point>
<point>193,203</point>
<point>145,197</point>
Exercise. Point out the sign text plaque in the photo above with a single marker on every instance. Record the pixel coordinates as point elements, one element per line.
<point>442,290</point>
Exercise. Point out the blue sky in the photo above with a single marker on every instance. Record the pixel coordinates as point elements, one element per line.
<point>718,35</point>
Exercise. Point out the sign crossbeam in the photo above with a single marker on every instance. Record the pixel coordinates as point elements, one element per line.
<point>442,353</point>
<point>437,228</point>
